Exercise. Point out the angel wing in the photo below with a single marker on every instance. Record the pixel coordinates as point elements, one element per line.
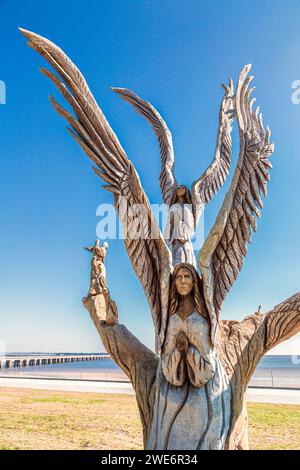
<point>148,253</point>
<point>168,183</point>
<point>221,257</point>
<point>204,188</point>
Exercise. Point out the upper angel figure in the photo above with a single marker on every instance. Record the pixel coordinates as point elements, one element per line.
<point>185,205</point>
<point>222,255</point>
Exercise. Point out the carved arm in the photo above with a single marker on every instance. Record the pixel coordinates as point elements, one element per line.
<point>135,359</point>
<point>244,343</point>
<point>282,322</point>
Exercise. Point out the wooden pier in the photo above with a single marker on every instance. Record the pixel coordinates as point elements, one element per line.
<point>41,360</point>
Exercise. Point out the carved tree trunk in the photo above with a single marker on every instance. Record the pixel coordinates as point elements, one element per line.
<point>210,417</point>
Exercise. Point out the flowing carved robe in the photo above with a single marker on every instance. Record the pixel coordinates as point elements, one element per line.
<point>179,232</point>
<point>191,388</point>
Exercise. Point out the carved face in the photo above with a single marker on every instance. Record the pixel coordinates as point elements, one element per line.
<point>181,191</point>
<point>184,281</point>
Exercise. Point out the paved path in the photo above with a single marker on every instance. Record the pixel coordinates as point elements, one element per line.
<point>69,385</point>
<point>273,395</point>
<point>258,395</point>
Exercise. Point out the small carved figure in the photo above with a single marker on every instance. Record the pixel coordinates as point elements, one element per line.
<point>185,206</point>
<point>98,271</point>
<point>181,227</point>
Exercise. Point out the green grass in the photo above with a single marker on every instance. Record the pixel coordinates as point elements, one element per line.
<point>42,419</point>
<point>274,426</point>
<point>62,399</point>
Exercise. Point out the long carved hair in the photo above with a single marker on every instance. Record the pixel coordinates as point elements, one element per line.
<point>197,291</point>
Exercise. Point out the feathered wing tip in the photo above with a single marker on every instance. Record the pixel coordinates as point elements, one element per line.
<point>243,92</point>
<point>28,34</point>
<point>72,85</point>
<point>141,105</point>
<point>210,182</point>
<point>222,255</point>
<point>168,183</point>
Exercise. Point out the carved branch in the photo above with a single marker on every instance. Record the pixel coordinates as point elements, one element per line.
<point>282,322</point>
<point>135,359</point>
<point>242,344</point>
<point>241,347</point>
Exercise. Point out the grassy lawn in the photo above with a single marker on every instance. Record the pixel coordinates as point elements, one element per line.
<point>274,426</point>
<point>42,419</point>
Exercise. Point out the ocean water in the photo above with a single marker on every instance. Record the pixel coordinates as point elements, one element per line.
<point>277,371</point>
<point>279,362</point>
<point>103,369</point>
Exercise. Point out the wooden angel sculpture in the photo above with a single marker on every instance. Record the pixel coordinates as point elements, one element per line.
<point>191,392</point>
<point>186,206</point>
<point>98,271</point>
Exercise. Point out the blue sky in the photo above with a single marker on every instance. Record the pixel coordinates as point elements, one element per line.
<point>175,54</point>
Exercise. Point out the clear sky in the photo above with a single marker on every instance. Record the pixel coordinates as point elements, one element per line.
<point>175,54</point>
